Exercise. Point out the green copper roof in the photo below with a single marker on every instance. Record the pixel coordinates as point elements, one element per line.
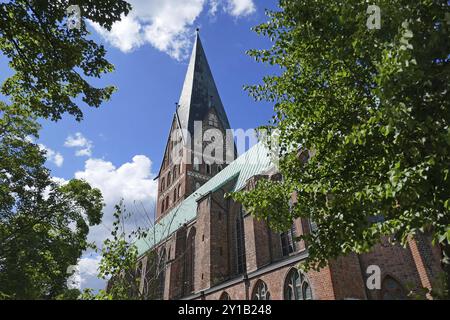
<point>251,163</point>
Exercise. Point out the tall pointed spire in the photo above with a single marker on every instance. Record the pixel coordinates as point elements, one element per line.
<point>199,91</point>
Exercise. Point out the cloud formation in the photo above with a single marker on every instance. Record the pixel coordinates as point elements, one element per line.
<point>82,145</point>
<point>238,8</point>
<point>132,181</point>
<point>167,25</point>
<point>52,156</point>
<point>85,273</point>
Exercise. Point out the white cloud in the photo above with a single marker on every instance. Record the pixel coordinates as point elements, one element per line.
<point>52,156</point>
<point>132,181</point>
<point>125,35</point>
<point>85,273</point>
<point>239,8</point>
<point>213,7</point>
<point>78,141</point>
<point>166,24</point>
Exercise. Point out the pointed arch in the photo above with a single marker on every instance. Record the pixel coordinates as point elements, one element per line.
<point>260,291</point>
<point>162,261</point>
<point>392,289</point>
<point>225,296</point>
<point>190,262</point>
<point>297,286</point>
<point>240,242</point>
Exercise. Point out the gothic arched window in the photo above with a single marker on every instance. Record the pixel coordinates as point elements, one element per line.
<point>225,296</point>
<point>261,292</point>
<point>175,195</point>
<point>167,202</point>
<point>190,261</point>
<point>288,241</point>
<point>168,179</point>
<point>161,272</point>
<point>296,286</point>
<point>240,243</point>
<point>208,169</point>
<point>391,289</point>
<point>212,120</point>
<point>162,183</point>
<point>149,287</point>
<point>139,272</point>
<point>174,172</point>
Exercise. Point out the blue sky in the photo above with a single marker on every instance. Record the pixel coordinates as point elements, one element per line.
<point>118,147</point>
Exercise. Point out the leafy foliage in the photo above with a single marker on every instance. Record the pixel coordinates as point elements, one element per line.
<point>43,225</point>
<point>373,109</point>
<point>127,275</point>
<point>52,64</point>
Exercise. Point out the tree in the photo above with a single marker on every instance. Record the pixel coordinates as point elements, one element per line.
<point>129,276</point>
<point>372,108</point>
<point>51,63</point>
<point>43,225</point>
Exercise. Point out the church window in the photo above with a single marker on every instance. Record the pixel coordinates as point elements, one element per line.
<point>190,262</point>
<point>167,202</point>
<point>240,243</point>
<point>391,289</point>
<point>297,286</point>
<point>179,190</point>
<point>312,226</point>
<point>161,272</point>
<point>212,120</point>
<point>139,269</point>
<point>162,206</point>
<point>163,181</point>
<point>261,292</point>
<point>175,195</point>
<point>225,296</point>
<point>168,179</point>
<point>208,169</point>
<point>288,241</point>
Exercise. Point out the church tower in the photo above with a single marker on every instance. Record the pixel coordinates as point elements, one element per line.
<point>198,121</point>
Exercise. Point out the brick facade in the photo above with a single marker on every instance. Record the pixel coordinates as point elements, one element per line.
<point>214,260</point>
<point>225,252</point>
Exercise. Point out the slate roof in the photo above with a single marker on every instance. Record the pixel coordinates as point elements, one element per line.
<point>252,162</point>
<point>199,92</point>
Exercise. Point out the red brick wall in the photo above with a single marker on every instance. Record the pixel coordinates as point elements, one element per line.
<point>426,258</point>
<point>347,279</point>
<point>203,248</point>
<point>394,261</point>
<point>320,282</point>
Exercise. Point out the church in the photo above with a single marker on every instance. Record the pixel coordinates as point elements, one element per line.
<point>205,246</point>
